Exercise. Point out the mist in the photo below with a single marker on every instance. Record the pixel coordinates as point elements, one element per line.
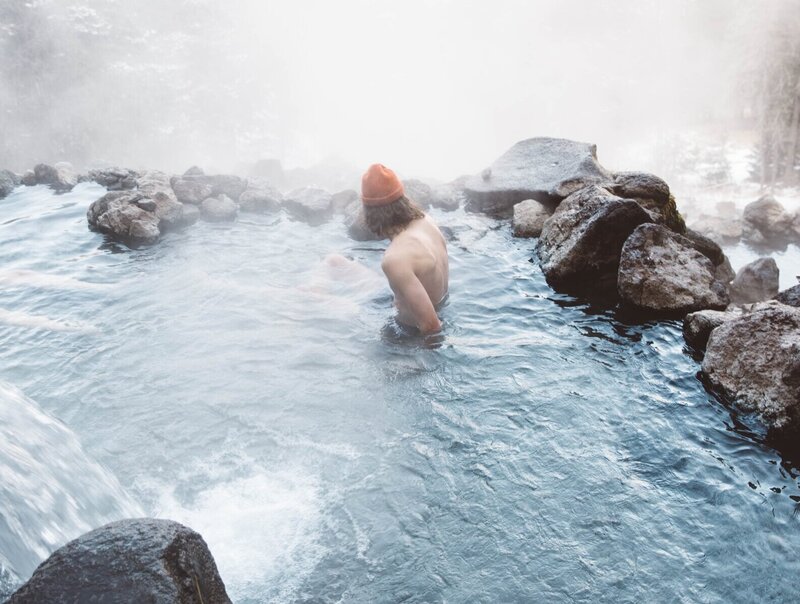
<point>433,88</point>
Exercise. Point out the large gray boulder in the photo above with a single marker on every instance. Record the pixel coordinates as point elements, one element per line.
<point>661,272</point>
<point>790,296</point>
<point>710,249</point>
<point>138,560</point>
<point>170,212</point>
<point>754,362</point>
<point>529,217</point>
<point>580,244</point>
<point>545,169</point>
<point>309,204</point>
<point>114,179</point>
<point>766,222</point>
<point>653,194</point>
<point>127,216</point>
<point>60,176</point>
<point>698,325</point>
<point>260,197</point>
<point>756,282</point>
<point>356,225</point>
<point>219,209</point>
<point>196,188</point>
<point>8,182</point>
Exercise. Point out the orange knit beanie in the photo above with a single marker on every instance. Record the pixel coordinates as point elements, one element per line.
<point>380,186</point>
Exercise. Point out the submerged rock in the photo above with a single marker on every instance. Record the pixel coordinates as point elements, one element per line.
<point>580,245</point>
<point>219,209</point>
<point>117,213</point>
<point>698,325</point>
<point>790,296</point>
<point>545,169</point>
<point>529,217</point>
<point>652,193</point>
<point>661,271</point>
<point>60,177</point>
<point>115,179</point>
<point>139,560</point>
<point>310,205</point>
<point>767,223</point>
<point>8,182</point>
<point>260,197</point>
<point>754,362</point>
<point>356,225</point>
<point>755,282</point>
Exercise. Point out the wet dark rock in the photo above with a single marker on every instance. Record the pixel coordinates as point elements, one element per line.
<point>652,193</point>
<point>753,362</point>
<point>698,325</point>
<point>260,197</point>
<point>8,182</point>
<point>545,169</point>
<point>310,205</point>
<point>580,245</point>
<point>706,246</point>
<point>60,177</point>
<point>341,200</point>
<point>790,296</point>
<point>219,209</point>
<point>138,560</point>
<point>356,225</point>
<point>29,178</point>
<point>529,217</point>
<point>118,214</point>
<point>195,188</point>
<point>114,179</point>
<point>767,223</point>
<point>756,282</point>
<point>194,171</point>
<point>661,272</point>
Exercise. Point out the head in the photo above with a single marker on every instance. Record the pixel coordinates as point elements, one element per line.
<point>387,210</point>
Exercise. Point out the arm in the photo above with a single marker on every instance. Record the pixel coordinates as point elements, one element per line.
<point>407,288</point>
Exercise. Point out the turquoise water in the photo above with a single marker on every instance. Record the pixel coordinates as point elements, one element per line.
<point>541,450</point>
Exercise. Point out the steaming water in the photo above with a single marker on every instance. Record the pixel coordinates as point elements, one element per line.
<point>540,451</point>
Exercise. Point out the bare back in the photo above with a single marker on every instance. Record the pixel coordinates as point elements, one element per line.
<point>418,256</point>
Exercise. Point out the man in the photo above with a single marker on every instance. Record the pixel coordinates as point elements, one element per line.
<point>415,263</point>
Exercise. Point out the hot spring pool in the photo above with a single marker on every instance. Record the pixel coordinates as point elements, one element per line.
<point>541,450</point>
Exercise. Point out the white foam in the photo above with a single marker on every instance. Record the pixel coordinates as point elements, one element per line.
<point>262,531</point>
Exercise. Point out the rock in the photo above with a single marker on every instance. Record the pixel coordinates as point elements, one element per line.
<point>661,272</point>
<point>8,182</point>
<point>580,244</point>
<point>698,325</point>
<point>356,226</point>
<point>652,193</point>
<point>755,282</point>
<point>60,177</point>
<point>725,230</point>
<point>195,188</point>
<point>767,223</point>
<point>194,171</point>
<point>114,179</point>
<point>447,197</point>
<point>156,186</point>
<point>191,214</point>
<point>545,169</point>
<point>706,246</point>
<point>342,199</point>
<point>137,560</point>
<point>754,362</point>
<point>219,209</point>
<point>790,296</point>
<point>418,192</point>
<point>118,214</point>
<point>725,272</point>
<point>310,205</point>
<point>529,217</point>
<point>29,178</point>
<point>260,197</point>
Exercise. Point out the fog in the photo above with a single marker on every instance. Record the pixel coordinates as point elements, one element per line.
<point>433,88</point>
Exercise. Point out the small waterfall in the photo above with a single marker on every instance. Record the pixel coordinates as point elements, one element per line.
<point>51,491</point>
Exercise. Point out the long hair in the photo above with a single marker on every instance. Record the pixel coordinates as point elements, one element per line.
<point>393,218</point>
